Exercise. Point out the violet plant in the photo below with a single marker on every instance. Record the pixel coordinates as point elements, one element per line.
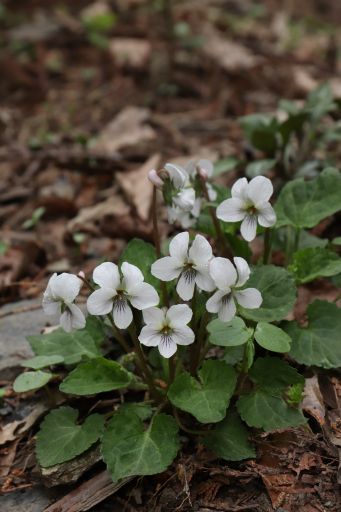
<point>193,339</point>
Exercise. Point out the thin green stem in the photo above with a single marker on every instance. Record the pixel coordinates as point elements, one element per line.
<point>201,339</point>
<point>267,246</point>
<point>141,361</point>
<point>297,239</point>
<point>186,429</point>
<point>194,347</point>
<point>118,336</point>
<point>157,243</point>
<point>220,235</point>
<point>171,369</point>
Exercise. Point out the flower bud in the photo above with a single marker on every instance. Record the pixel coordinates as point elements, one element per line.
<point>155,179</point>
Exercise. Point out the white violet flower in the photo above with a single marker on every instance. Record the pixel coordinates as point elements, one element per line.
<point>177,175</point>
<point>190,265</point>
<point>167,328</point>
<point>229,281</point>
<point>249,203</point>
<point>59,297</point>
<point>185,199</point>
<point>115,294</point>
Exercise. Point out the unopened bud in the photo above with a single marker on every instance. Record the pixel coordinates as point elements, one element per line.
<point>202,173</point>
<point>155,179</point>
<point>81,274</point>
<point>205,168</point>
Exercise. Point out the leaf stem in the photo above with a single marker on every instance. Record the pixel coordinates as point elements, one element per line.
<point>171,369</point>
<point>184,428</point>
<point>201,339</point>
<point>194,347</point>
<point>267,246</point>
<point>220,235</point>
<point>141,361</point>
<point>157,243</point>
<point>297,239</point>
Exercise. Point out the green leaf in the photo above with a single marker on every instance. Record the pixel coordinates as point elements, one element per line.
<point>72,346</point>
<point>250,351</point>
<point>229,334</point>
<point>278,291</point>
<point>233,355</point>
<point>39,362</point>
<point>229,439</point>
<point>261,130</point>
<point>28,381</point>
<point>313,262</point>
<point>320,101</point>
<point>274,375</point>
<point>142,410</point>
<point>303,204</point>
<point>317,344</point>
<point>208,398</point>
<point>272,338</point>
<point>142,255</point>
<point>96,376</point>
<point>60,437</point>
<point>262,410</point>
<point>225,165</point>
<point>128,449</point>
<point>259,167</point>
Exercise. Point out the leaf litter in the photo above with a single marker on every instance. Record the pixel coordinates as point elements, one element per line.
<point>79,140</point>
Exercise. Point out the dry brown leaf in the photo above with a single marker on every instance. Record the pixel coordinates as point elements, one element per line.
<point>313,400</point>
<point>95,9</point>
<point>130,52</point>
<point>16,428</point>
<point>88,218</point>
<point>230,55</point>
<point>128,128</point>
<point>303,80</point>
<point>136,187</point>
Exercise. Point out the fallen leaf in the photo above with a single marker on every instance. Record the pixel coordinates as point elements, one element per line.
<point>16,428</point>
<point>136,187</point>
<point>128,128</point>
<point>303,80</point>
<point>130,52</point>
<point>313,400</point>
<point>230,55</point>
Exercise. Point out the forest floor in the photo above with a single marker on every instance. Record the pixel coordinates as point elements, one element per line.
<point>86,110</point>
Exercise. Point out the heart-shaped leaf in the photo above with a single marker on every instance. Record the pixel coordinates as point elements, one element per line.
<point>303,204</point>
<point>130,449</point>
<point>60,438</point>
<point>72,346</point>
<point>96,376</point>
<point>229,439</point>
<point>208,398</point>
<point>229,334</point>
<point>141,254</point>
<point>259,167</point>
<point>272,338</point>
<point>313,262</point>
<point>28,381</point>
<point>39,362</point>
<point>278,291</point>
<point>263,410</point>
<point>317,344</point>
<point>274,375</point>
